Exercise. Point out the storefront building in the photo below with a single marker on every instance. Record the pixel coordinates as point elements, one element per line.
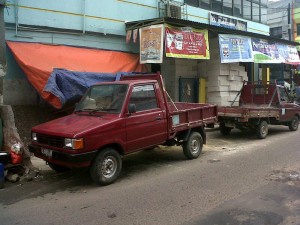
<point>117,25</point>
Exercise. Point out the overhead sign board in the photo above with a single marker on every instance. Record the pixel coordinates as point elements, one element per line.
<point>227,22</point>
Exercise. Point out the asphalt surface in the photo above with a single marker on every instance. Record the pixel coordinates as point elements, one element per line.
<point>238,180</point>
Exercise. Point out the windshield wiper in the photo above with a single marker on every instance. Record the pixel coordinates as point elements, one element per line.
<point>100,109</point>
<point>82,110</point>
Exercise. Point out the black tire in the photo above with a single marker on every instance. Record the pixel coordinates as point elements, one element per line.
<point>58,168</point>
<point>106,167</point>
<point>294,123</point>
<point>225,130</point>
<point>262,129</point>
<point>192,148</point>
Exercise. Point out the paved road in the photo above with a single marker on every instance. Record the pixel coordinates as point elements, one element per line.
<point>238,180</point>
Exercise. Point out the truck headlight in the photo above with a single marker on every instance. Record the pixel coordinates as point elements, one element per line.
<point>33,136</point>
<point>74,143</point>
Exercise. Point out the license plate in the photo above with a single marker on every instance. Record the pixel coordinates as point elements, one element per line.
<point>46,152</point>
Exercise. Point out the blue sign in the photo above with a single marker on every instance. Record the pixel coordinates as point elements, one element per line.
<point>235,48</point>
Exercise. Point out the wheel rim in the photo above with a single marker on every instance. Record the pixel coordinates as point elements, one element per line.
<point>195,146</point>
<point>109,167</point>
<point>264,130</point>
<point>295,123</point>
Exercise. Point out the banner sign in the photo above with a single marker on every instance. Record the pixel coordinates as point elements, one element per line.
<point>186,42</point>
<point>151,44</point>
<point>235,48</point>
<point>288,53</point>
<point>226,22</point>
<point>265,51</point>
<point>245,49</point>
<point>135,35</point>
<point>128,36</point>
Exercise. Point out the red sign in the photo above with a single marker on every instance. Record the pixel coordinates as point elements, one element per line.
<point>186,43</point>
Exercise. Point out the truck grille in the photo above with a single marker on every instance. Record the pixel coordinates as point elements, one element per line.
<point>51,140</point>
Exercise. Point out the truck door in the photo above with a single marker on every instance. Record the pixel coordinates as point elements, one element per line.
<point>148,125</point>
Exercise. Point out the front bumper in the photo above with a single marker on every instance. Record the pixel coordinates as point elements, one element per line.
<point>64,159</point>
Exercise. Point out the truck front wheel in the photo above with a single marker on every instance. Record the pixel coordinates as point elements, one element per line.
<point>192,148</point>
<point>294,123</point>
<point>262,129</point>
<point>106,167</point>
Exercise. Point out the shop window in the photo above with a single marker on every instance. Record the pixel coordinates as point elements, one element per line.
<point>205,4</point>
<point>237,8</point>
<point>264,14</point>
<point>227,7</point>
<point>276,32</point>
<point>276,71</point>
<point>217,6</point>
<point>264,3</point>
<point>192,2</point>
<point>247,10</point>
<point>255,12</point>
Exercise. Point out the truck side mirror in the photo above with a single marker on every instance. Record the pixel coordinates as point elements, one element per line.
<point>131,108</point>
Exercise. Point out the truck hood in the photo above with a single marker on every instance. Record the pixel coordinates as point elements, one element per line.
<point>74,125</point>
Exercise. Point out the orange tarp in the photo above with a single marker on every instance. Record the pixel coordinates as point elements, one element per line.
<point>38,60</point>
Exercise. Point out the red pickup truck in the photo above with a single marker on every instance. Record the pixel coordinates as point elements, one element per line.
<point>117,118</point>
<point>260,105</point>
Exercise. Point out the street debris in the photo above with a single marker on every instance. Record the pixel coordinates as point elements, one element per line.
<point>214,160</point>
<point>285,176</point>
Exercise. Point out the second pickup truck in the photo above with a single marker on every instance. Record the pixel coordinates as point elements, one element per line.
<point>259,105</point>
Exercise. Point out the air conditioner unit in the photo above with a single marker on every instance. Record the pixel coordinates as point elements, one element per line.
<point>173,11</point>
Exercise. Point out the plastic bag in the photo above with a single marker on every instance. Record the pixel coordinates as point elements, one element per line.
<point>16,153</point>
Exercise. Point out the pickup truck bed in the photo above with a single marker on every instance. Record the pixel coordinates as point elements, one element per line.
<point>243,114</point>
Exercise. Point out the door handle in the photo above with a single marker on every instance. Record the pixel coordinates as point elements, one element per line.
<point>158,118</point>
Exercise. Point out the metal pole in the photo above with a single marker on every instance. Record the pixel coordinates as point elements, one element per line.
<point>2,34</point>
<point>289,21</point>
<point>2,46</point>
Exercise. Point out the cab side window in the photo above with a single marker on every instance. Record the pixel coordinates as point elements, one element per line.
<point>144,98</point>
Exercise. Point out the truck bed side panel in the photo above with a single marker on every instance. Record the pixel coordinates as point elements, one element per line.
<point>245,113</point>
<point>184,115</point>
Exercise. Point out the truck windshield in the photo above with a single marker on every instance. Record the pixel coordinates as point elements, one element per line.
<point>103,98</point>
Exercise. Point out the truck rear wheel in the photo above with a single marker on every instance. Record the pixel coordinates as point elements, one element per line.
<point>294,123</point>
<point>225,130</point>
<point>192,148</point>
<point>262,129</point>
<point>106,167</point>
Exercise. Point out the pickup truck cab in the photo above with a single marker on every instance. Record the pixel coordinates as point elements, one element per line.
<point>259,105</point>
<point>114,119</point>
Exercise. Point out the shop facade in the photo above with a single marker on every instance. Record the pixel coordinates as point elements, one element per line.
<point>217,74</point>
<point>94,25</point>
